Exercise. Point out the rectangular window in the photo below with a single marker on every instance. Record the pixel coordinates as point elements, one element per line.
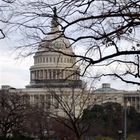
<point>43,59</point>
<point>46,59</point>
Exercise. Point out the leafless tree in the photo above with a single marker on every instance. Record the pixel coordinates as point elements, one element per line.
<point>67,110</point>
<point>12,110</point>
<point>5,15</point>
<point>37,122</point>
<point>106,32</point>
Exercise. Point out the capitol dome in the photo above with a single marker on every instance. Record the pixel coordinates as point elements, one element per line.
<point>54,62</point>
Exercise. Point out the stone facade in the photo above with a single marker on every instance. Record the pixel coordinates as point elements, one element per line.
<point>108,94</point>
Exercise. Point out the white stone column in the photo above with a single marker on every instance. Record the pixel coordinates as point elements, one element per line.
<point>48,74</point>
<point>64,72</point>
<point>33,75</point>
<point>55,73</point>
<point>60,74</point>
<point>32,99</point>
<point>51,74</point>
<point>43,72</point>
<point>37,74</point>
<point>40,74</point>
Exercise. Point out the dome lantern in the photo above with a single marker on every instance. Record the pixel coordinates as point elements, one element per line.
<point>54,22</point>
<point>55,40</point>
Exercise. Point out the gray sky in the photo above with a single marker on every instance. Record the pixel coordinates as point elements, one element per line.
<point>15,72</point>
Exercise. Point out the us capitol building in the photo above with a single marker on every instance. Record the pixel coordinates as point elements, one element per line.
<point>55,74</point>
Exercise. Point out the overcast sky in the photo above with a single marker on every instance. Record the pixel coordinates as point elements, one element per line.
<point>15,72</point>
